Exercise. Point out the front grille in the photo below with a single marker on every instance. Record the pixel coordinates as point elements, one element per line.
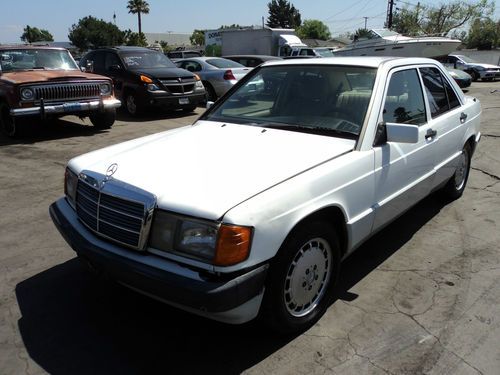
<point>115,218</point>
<point>179,86</point>
<point>67,91</point>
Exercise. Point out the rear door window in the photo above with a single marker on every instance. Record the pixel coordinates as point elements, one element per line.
<point>440,94</point>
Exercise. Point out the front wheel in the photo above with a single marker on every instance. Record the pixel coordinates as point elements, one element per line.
<point>132,105</point>
<point>103,120</point>
<point>10,126</point>
<point>455,187</point>
<point>301,279</point>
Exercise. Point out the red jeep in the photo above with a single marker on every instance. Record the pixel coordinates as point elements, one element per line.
<point>45,82</point>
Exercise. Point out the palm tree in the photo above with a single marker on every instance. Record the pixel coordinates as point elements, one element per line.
<point>138,7</point>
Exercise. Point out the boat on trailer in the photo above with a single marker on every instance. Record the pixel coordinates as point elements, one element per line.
<point>385,42</point>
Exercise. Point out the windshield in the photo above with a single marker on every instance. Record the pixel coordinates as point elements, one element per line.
<point>147,59</point>
<point>324,99</point>
<point>224,63</point>
<point>467,59</point>
<point>324,52</point>
<point>29,59</point>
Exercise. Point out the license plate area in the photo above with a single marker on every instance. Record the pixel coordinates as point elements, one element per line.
<point>183,100</point>
<point>71,107</point>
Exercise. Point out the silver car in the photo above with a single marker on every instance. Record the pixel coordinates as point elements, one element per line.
<point>217,74</point>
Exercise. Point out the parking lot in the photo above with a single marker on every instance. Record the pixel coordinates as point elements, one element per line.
<point>420,297</point>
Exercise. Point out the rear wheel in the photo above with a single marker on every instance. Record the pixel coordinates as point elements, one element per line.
<point>301,278</point>
<point>211,95</point>
<point>103,120</point>
<point>455,187</point>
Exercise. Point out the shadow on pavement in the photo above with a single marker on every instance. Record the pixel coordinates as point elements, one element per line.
<point>51,130</point>
<point>153,114</point>
<point>73,322</point>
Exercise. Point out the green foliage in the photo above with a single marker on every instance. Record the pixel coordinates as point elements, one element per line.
<point>164,45</point>
<point>135,39</point>
<point>429,20</point>
<point>138,7</point>
<point>283,15</point>
<point>484,34</point>
<point>362,33</point>
<point>197,38</point>
<point>213,50</point>
<point>233,26</point>
<point>90,33</point>
<point>34,34</point>
<point>313,29</point>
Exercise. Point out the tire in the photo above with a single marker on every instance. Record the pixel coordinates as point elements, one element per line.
<point>475,75</point>
<point>211,95</point>
<point>103,120</point>
<point>10,126</point>
<point>455,187</point>
<point>301,279</point>
<point>132,105</point>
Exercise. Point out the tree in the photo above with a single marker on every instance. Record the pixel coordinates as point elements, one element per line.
<point>138,7</point>
<point>135,39</point>
<point>283,14</point>
<point>439,20</point>
<point>313,29</point>
<point>33,34</point>
<point>362,33</point>
<point>90,33</point>
<point>197,38</point>
<point>483,34</point>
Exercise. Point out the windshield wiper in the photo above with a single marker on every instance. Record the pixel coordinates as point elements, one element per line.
<point>321,130</point>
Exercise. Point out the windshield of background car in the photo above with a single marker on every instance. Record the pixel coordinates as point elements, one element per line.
<point>224,63</point>
<point>29,59</point>
<point>468,59</point>
<point>319,99</point>
<point>324,52</point>
<point>141,60</point>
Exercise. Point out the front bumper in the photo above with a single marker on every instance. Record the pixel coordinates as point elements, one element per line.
<point>229,299</point>
<point>164,99</point>
<point>66,108</point>
<point>489,74</point>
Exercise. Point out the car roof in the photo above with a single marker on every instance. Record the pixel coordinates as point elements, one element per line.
<point>126,49</point>
<point>262,57</point>
<point>364,61</point>
<point>29,46</point>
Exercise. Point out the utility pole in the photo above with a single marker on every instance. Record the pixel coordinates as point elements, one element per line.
<point>390,6</point>
<point>366,19</point>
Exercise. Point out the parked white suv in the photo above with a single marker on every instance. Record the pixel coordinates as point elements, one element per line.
<point>252,208</point>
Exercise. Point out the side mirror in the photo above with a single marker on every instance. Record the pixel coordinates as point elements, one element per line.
<point>114,68</point>
<point>401,133</point>
<point>209,104</point>
<point>89,67</point>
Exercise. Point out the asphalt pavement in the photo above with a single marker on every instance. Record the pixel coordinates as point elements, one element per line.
<point>422,296</point>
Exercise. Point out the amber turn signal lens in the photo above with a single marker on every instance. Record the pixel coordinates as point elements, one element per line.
<point>197,77</point>
<point>233,245</point>
<point>146,79</point>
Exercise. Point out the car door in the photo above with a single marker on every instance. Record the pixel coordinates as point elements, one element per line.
<point>404,172</point>
<point>448,119</point>
<point>113,67</point>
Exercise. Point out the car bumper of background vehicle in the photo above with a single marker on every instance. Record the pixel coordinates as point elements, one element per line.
<point>232,300</point>
<point>177,101</point>
<point>66,108</point>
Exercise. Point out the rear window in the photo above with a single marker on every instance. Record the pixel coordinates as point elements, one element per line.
<point>224,63</point>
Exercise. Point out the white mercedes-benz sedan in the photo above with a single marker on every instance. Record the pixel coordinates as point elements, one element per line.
<point>252,209</point>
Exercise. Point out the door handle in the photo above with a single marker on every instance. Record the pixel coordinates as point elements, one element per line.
<point>463,117</point>
<point>430,134</point>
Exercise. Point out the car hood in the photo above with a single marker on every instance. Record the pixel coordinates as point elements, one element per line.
<point>205,169</point>
<point>29,76</point>
<point>164,72</point>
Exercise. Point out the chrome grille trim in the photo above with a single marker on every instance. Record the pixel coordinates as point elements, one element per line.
<point>56,92</point>
<point>179,86</point>
<point>131,225</point>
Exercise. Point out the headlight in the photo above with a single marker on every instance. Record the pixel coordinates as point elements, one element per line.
<point>27,94</point>
<point>153,87</point>
<point>105,88</point>
<point>211,242</point>
<point>70,184</point>
<point>480,68</point>
<point>199,86</point>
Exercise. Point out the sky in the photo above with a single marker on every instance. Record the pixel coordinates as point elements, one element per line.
<point>177,16</point>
